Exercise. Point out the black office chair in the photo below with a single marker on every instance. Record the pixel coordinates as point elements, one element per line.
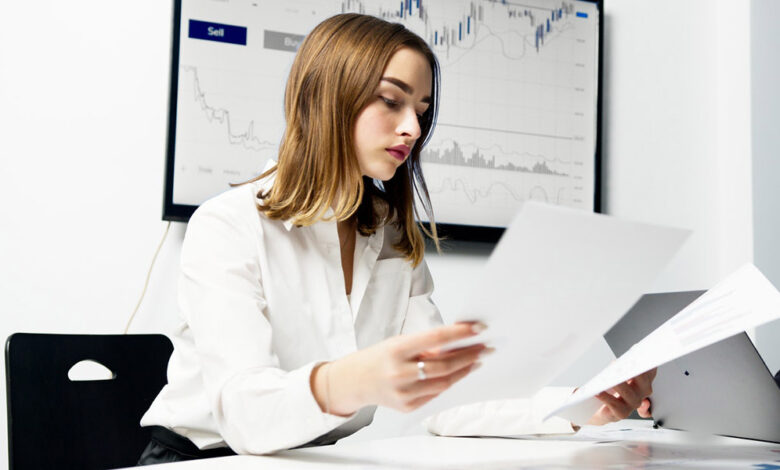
<point>54,422</point>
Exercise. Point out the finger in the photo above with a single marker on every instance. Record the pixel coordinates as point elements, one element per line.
<point>412,345</point>
<point>644,409</point>
<point>434,368</point>
<point>643,382</point>
<point>437,385</point>
<point>628,394</point>
<point>649,376</point>
<point>652,373</point>
<point>617,407</point>
<point>602,416</point>
<point>438,353</point>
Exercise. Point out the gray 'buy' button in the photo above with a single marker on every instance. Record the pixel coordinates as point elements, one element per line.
<point>282,41</point>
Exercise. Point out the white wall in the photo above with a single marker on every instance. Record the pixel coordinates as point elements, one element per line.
<point>766,158</point>
<point>677,139</point>
<point>83,87</point>
<point>83,90</point>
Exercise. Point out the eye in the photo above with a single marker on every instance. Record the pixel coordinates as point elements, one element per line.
<point>392,104</point>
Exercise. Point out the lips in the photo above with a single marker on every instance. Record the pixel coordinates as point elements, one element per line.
<point>399,152</point>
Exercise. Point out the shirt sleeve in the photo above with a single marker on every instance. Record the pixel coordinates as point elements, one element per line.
<point>258,407</point>
<point>516,417</point>
<point>421,314</point>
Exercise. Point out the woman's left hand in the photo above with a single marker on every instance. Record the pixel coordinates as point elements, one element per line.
<point>621,400</point>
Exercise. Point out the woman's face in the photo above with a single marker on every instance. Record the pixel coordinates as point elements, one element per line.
<point>388,127</point>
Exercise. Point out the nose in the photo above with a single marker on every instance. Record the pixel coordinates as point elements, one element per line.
<point>409,125</point>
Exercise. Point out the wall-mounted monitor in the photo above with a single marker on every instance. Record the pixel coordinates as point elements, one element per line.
<point>520,100</point>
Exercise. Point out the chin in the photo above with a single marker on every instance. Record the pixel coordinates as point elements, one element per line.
<point>385,177</point>
<point>382,172</point>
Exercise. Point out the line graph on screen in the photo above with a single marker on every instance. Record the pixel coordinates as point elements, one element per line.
<point>518,110</point>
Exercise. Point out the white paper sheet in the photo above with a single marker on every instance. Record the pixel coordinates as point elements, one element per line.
<point>558,280</point>
<point>743,300</point>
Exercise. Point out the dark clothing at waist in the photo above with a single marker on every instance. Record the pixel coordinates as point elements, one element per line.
<point>168,446</point>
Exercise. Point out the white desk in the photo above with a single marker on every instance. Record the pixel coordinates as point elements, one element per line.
<point>627,444</point>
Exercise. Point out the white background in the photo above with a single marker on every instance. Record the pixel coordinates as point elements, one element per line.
<point>83,96</point>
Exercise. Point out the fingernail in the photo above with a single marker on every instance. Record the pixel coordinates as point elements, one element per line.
<point>478,327</point>
<point>487,351</point>
<point>475,366</point>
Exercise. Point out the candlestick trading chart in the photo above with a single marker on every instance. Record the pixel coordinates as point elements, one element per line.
<point>518,114</point>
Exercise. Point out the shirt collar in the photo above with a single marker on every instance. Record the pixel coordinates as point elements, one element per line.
<point>289,224</point>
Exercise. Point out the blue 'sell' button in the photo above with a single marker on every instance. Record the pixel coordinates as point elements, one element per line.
<point>218,32</point>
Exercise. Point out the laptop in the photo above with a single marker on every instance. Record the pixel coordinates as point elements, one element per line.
<point>723,389</point>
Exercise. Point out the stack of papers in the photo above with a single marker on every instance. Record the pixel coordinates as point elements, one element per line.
<point>744,300</point>
<point>557,281</point>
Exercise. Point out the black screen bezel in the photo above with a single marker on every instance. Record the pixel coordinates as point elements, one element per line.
<point>183,212</point>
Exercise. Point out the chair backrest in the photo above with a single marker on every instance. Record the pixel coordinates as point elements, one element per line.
<point>54,422</point>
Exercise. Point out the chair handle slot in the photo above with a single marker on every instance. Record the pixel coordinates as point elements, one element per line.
<point>89,370</point>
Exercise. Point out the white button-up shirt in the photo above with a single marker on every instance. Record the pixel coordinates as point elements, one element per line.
<point>261,303</point>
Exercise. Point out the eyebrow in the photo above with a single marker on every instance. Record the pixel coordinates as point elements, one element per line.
<point>405,87</point>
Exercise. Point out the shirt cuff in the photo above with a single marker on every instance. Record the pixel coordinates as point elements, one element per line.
<point>516,417</point>
<point>300,379</point>
<point>293,418</point>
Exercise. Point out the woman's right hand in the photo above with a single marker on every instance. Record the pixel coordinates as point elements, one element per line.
<point>387,373</point>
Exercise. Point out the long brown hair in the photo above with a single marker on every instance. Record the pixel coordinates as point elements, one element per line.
<point>334,76</point>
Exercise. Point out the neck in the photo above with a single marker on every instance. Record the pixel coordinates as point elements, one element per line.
<point>346,227</point>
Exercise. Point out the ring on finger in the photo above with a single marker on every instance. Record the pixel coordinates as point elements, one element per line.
<point>421,375</point>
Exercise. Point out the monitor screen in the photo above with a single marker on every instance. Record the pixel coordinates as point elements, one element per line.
<point>519,114</point>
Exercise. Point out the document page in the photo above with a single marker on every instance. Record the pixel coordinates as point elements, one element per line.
<point>743,300</point>
<point>557,280</point>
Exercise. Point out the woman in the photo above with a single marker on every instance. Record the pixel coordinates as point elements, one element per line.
<point>304,297</point>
